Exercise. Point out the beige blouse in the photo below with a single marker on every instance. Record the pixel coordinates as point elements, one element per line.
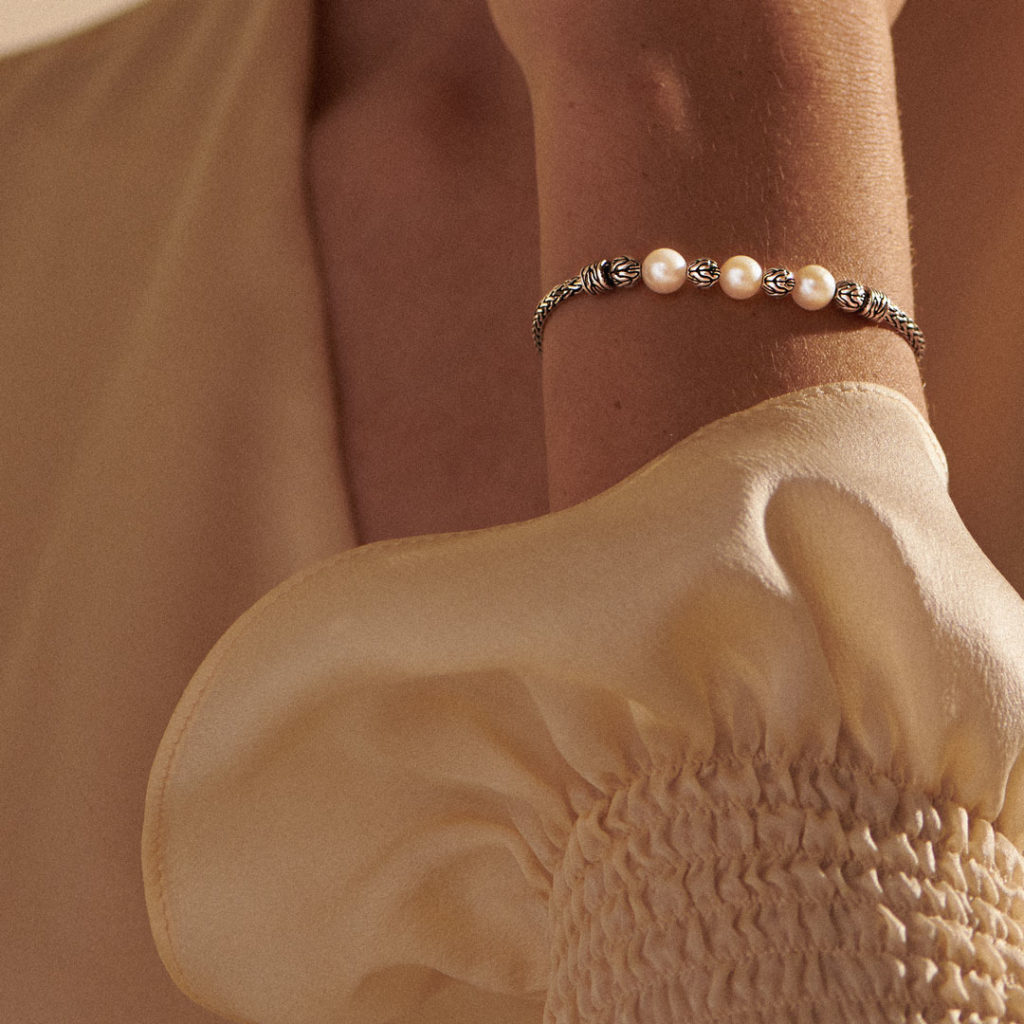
<point>737,740</point>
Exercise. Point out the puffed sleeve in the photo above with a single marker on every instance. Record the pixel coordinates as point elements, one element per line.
<point>738,740</point>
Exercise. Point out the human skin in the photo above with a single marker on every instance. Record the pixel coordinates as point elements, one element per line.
<point>425,201</point>
<point>766,127</point>
<point>759,127</point>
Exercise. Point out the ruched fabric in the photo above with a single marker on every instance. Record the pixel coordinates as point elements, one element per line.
<point>736,740</point>
<point>748,892</point>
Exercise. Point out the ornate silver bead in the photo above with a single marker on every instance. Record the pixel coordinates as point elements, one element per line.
<point>777,281</point>
<point>606,275</point>
<point>703,272</point>
<point>877,306</point>
<point>623,271</point>
<point>850,296</point>
<point>594,278</point>
<point>854,297</point>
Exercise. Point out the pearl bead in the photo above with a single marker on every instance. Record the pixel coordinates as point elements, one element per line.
<point>664,271</point>
<point>741,277</point>
<point>815,287</point>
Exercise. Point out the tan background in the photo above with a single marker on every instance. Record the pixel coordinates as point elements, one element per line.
<point>25,23</point>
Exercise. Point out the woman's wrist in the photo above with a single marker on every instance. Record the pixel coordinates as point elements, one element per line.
<point>775,138</point>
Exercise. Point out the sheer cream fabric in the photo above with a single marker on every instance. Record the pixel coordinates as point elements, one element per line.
<point>169,453</point>
<point>168,447</point>
<point>739,737</point>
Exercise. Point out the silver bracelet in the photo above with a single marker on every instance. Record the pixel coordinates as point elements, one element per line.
<point>740,277</point>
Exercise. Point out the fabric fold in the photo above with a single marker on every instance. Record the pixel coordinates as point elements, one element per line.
<point>738,733</point>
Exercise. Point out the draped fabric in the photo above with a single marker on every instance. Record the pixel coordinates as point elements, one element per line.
<point>740,736</point>
<point>169,446</point>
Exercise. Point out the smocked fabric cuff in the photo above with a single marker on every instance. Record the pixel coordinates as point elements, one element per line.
<point>750,893</point>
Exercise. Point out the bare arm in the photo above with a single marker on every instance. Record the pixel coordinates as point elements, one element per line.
<point>761,127</point>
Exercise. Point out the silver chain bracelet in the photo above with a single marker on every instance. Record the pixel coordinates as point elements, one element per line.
<point>665,270</point>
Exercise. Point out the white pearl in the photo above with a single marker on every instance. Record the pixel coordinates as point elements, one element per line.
<point>741,277</point>
<point>815,287</point>
<point>664,271</point>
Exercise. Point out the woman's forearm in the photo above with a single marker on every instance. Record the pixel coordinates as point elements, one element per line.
<point>764,128</point>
